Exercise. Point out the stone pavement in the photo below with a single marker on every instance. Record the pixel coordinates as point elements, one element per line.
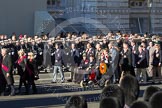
<point>54,95</point>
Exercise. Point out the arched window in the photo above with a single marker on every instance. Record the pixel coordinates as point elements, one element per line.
<point>138,3</point>
<point>53,2</point>
<point>48,2</point>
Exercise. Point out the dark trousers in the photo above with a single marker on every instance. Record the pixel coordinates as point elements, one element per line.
<point>22,81</point>
<point>2,85</point>
<point>10,84</point>
<point>32,83</point>
<point>156,71</point>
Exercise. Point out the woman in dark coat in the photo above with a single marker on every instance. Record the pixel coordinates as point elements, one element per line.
<point>31,71</point>
<point>21,64</point>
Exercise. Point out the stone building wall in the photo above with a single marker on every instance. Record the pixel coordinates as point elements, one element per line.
<point>124,15</point>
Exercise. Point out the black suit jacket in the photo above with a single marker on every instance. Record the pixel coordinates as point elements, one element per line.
<point>157,58</point>
<point>6,61</point>
<point>142,59</point>
<point>75,56</point>
<point>126,58</point>
<point>58,57</point>
<point>134,50</point>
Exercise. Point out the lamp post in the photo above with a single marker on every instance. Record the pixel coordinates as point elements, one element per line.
<point>149,13</point>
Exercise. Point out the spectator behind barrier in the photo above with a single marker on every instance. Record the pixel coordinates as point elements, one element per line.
<point>149,92</point>
<point>140,104</point>
<point>113,91</point>
<point>156,100</point>
<point>76,102</point>
<point>130,86</point>
<point>110,102</point>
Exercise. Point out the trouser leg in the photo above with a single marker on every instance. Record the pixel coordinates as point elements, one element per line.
<point>12,90</point>
<point>137,72</point>
<point>34,87</point>
<point>2,89</point>
<point>116,75</point>
<point>72,73</point>
<point>20,83</point>
<point>144,75</point>
<point>55,74</point>
<point>150,70</point>
<point>154,73</point>
<point>159,72</point>
<point>61,73</point>
<point>26,86</point>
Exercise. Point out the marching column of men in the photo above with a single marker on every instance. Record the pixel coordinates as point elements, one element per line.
<point>139,58</point>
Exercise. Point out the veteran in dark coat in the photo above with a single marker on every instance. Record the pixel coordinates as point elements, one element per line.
<point>141,64</point>
<point>126,59</point>
<point>2,81</point>
<point>157,60</point>
<point>31,71</point>
<point>6,66</point>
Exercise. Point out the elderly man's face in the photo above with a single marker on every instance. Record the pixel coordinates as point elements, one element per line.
<point>3,52</point>
<point>110,46</point>
<point>140,49</point>
<point>56,46</point>
<point>72,46</point>
<point>125,45</point>
<point>150,44</point>
<point>97,46</point>
<point>132,43</point>
<point>88,45</point>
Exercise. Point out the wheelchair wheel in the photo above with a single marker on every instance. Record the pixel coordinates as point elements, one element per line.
<point>107,82</point>
<point>91,84</point>
<point>83,83</point>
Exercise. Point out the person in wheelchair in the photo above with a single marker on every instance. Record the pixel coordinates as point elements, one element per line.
<point>104,60</point>
<point>79,73</point>
<point>103,65</point>
<point>90,72</point>
<point>96,70</point>
<point>84,63</point>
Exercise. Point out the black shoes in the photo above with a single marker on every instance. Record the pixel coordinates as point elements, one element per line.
<point>12,94</point>
<point>62,81</point>
<point>69,80</point>
<point>2,94</point>
<point>53,82</point>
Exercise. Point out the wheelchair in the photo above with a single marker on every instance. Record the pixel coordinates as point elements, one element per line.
<point>97,77</point>
<point>89,79</point>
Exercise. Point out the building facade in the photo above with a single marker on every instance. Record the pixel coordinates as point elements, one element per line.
<point>93,16</point>
<point>126,15</point>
